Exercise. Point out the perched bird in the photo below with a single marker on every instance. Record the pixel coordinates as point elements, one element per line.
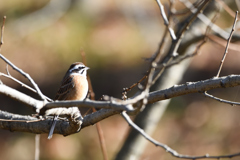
<point>74,86</point>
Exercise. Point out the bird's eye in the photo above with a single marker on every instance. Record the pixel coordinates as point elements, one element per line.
<point>81,67</point>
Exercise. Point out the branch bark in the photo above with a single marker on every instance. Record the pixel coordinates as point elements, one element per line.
<point>66,128</point>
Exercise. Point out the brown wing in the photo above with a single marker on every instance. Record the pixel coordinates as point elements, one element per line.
<point>66,87</point>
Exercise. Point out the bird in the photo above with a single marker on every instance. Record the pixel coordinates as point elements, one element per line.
<point>74,86</point>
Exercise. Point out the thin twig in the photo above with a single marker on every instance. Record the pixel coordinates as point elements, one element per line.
<point>168,149</point>
<point>2,31</point>
<point>220,100</point>
<point>25,75</point>
<point>8,73</point>
<point>180,59</point>
<point>22,84</point>
<point>175,44</point>
<point>158,53</point>
<point>162,45</point>
<point>134,85</point>
<point>228,42</point>
<point>205,39</point>
<point>18,69</point>
<point>171,31</point>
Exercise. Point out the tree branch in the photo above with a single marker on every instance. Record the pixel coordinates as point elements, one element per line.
<point>21,97</point>
<point>167,148</point>
<point>195,87</point>
<point>64,128</point>
<point>25,75</point>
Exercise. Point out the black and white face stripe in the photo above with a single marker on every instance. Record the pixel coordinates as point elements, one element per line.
<point>78,68</point>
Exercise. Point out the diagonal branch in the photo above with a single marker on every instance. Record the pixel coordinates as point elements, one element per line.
<point>228,42</point>
<point>176,43</point>
<point>171,31</point>
<point>167,148</point>
<point>25,75</point>
<point>21,97</point>
<point>22,84</point>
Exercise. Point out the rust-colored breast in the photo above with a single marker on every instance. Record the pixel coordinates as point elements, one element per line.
<point>74,87</point>
<point>80,89</point>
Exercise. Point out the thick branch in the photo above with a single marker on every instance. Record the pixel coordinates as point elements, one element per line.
<point>64,128</point>
<point>19,96</point>
<point>20,123</point>
<point>176,90</point>
<point>194,87</point>
<point>95,117</point>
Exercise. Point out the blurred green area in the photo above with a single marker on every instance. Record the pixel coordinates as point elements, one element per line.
<point>115,36</point>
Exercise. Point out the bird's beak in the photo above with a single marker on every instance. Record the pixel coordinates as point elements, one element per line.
<point>87,68</point>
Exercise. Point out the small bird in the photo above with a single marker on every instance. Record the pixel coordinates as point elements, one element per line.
<point>74,86</point>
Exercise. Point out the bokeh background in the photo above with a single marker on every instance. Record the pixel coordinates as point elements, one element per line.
<point>44,37</point>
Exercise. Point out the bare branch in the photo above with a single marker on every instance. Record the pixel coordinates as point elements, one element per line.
<point>221,100</point>
<point>176,43</point>
<point>21,97</point>
<point>33,125</point>
<point>168,149</point>
<point>228,41</point>
<point>25,75</point>
<point>171,31</point>
<point>134,85</point>
<point>22,84</point>
<point>95,117</point>
<point>2,31</point>
<point>69,128</point>
<point>16,68</point>
<point>194,87</point>
<point>186,56</point>
<point>176,90</point>
<point>89,104</point>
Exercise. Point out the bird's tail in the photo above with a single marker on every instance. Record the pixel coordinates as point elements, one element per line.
<point>54,122</point>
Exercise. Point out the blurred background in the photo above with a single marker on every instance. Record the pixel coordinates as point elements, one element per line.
<point>44,37</point>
